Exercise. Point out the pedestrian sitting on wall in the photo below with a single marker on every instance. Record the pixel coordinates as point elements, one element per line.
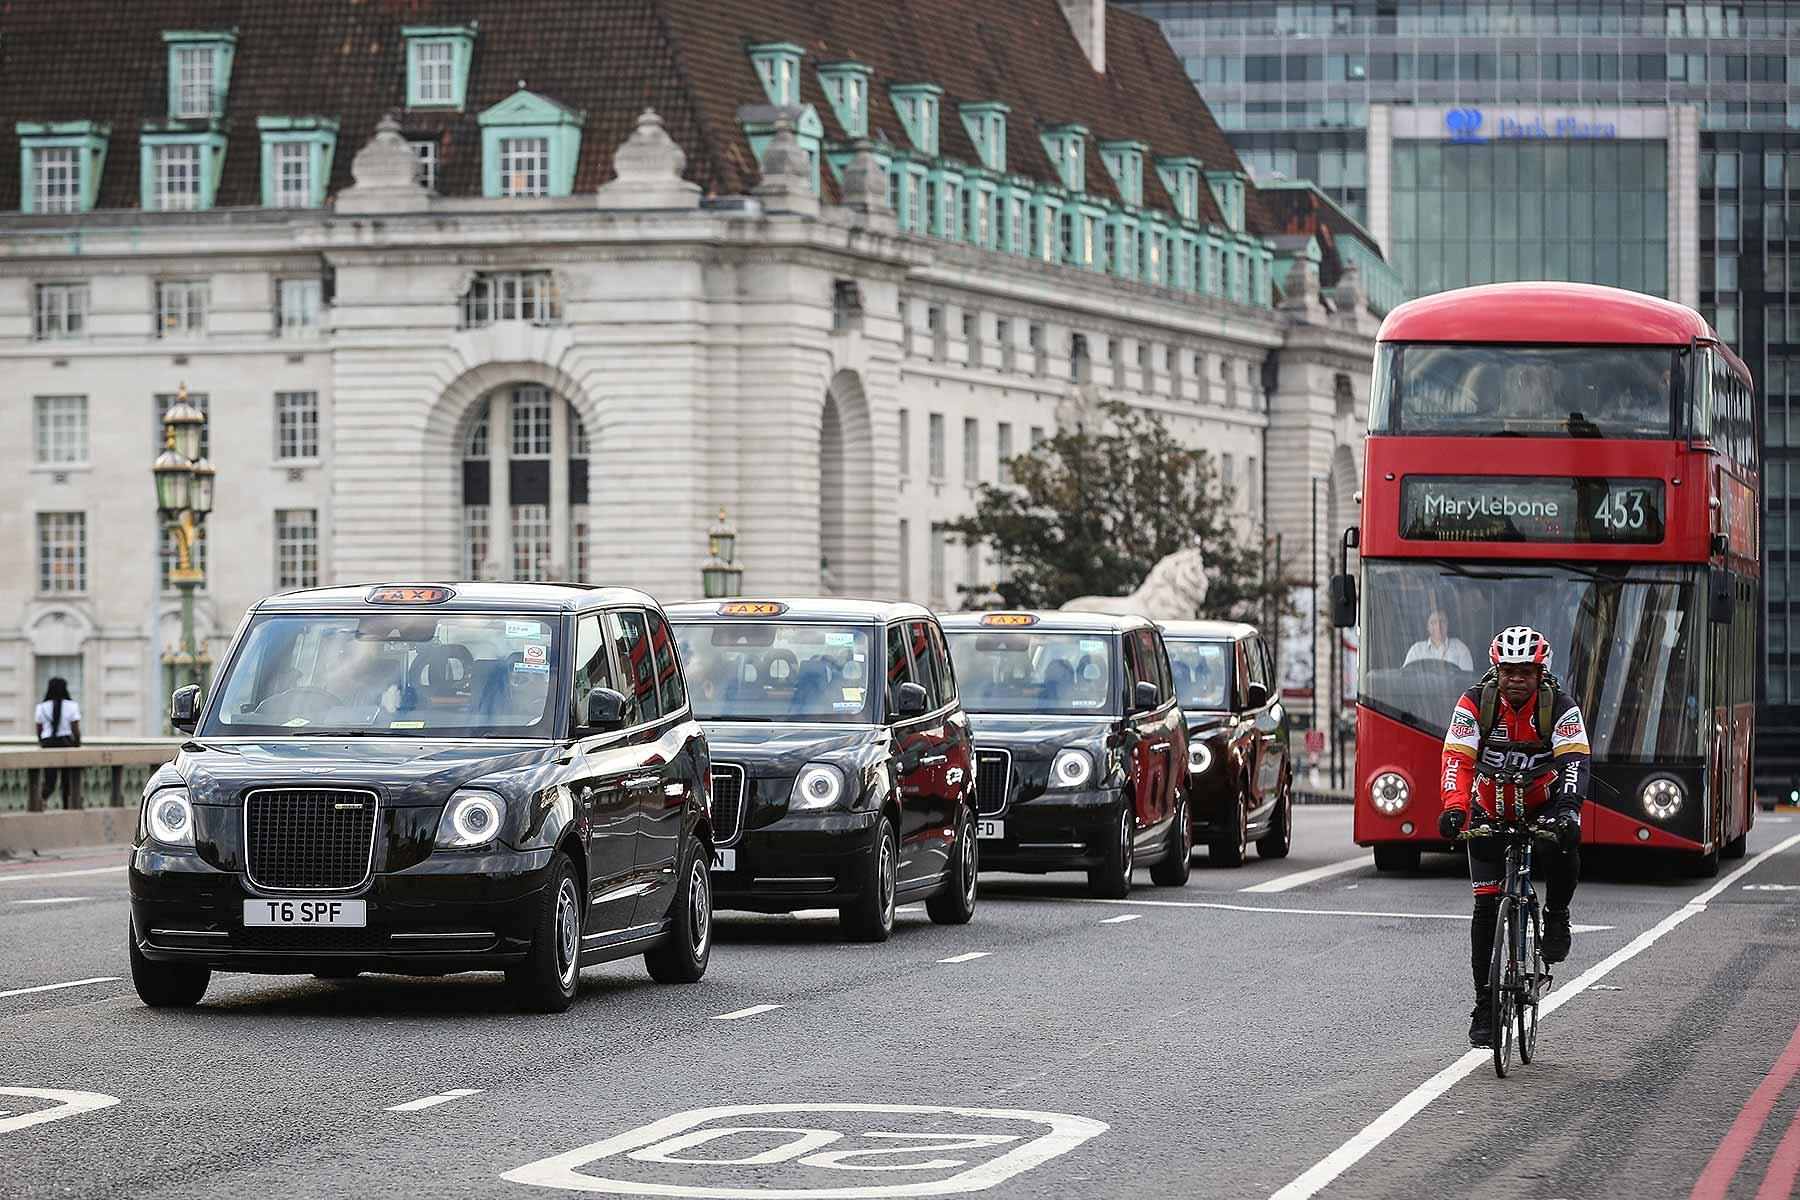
<point>58,728</point>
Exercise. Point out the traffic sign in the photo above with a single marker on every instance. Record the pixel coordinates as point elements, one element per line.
<point>1315,741</point>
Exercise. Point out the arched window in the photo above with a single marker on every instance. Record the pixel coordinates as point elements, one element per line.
<point>542,493</point>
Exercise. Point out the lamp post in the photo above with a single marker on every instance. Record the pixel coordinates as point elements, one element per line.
<point>184,497</point>
<point>722,575</point>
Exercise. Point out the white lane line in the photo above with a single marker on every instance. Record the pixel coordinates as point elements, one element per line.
<point>51,987</point>
<point>1307,912</point>
<point>1327,1169</point>
<point>815,914</point>
<point>910,908</point>
<point>68,1104</point>
<point>52,900</point>
<point>753,1011</point>
<point>971,956</point>
<point>1123,919</point>
<point>60,874</point>
<point>1285,883</point>
<point>433,1101</point>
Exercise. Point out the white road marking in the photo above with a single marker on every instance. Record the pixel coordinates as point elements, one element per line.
<point>1308,912</point>
<point>68,1104</point>
<point>51,987</point>
<point>1327,1169</point>
<point>434,1101</point>
<point>1123,919</point>
<point>52,900</point>
<point>1772,887</point>
<point>60,874</point>
<point>1285,883</point>
<point>910,908</point>
<point>752,1011</point>
<point>971,956</point>
<point>815,914</point>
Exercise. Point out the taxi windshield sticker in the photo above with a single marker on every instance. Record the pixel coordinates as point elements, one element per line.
<point>295,722</point>
<point>524,629</point>
<point>1092,645</point>
<point>537,656</point>
<point>406,724</point>
<point>855,694</point>
<point>846,705</point>
<point>840,638</point>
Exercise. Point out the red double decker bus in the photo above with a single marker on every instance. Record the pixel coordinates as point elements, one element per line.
<point>1583,460</point>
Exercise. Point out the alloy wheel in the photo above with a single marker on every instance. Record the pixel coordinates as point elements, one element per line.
<point>699,907</point>
<point>1127,828</point>
<point>568,932</point>
<point>888,873</point>
<point>969,864</point>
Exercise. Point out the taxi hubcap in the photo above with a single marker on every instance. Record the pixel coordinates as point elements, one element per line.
<point>1130,851</point>
<point>568,931</point>
<point>968,865</point>
<point>887,880</point>
<point>700,907</point>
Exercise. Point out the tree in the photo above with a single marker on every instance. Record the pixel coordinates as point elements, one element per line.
<point>1089,512</point>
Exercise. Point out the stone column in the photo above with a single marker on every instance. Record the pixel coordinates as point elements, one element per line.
<point>500,559</point>
<point>560,516</point>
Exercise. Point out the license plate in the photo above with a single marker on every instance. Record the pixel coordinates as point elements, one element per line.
<point>990,829</point>
<point>725,860</point>
<point>340,914</point>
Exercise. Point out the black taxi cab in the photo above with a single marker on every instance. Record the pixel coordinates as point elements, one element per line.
<point>426,779</point>
<point>1240,779</point>
<point>843,772</point>
<point>1080,746</point>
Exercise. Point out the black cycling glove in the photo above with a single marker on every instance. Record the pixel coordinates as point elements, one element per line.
<point>1451,822</point>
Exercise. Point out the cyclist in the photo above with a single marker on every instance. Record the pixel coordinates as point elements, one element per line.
<point>1517,719</point>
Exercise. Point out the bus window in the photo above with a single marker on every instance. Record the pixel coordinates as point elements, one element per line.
<point>1453,390</point>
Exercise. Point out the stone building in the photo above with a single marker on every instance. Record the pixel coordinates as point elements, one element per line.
<point>825,266</point>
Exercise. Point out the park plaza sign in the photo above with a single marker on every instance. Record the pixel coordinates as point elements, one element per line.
<point>1466,125</point>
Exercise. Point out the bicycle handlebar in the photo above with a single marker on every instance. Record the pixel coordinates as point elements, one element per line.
<point>1489,829</point>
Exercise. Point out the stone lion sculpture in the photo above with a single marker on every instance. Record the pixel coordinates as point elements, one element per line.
<point>1174,591</point>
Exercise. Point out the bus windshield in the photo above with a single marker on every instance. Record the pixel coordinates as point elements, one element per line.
<point>1625,645</point>
<point>1532,391</point>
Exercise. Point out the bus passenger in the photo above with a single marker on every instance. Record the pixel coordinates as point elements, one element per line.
<point>1438,646</point>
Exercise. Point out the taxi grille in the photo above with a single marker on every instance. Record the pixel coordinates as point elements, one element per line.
<point>727,803</point>
<point>993,771</point>
<point>308,941</point>
<point>309,840</point>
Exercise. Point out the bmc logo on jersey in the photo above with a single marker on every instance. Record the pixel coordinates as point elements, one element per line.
<point>1570,725</point>
<point>1515,760</point>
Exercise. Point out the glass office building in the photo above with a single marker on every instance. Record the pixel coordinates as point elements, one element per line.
<point>1693,194</point>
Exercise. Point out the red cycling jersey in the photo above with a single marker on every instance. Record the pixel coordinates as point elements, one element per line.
<point>1556,760</point>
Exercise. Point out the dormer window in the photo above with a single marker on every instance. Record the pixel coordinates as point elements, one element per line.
<point>529,144</point>
<point>62,161</point>
<point>199,73</point>
<point>1067,147</point>
<point>1228,191</point>
<point>847,87</point>
<point>778,66</point>
<point>917,104</point>
<point>1125,162</point>
<point>1181,179</point>
<point>986,123</point>
<point>437,65</point>
<point>178,170</point>
<point>296,160</point>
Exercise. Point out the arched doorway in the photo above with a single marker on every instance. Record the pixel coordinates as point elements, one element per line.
<point>528,522</point>
<point>847,490</point>
<point>834,549</point>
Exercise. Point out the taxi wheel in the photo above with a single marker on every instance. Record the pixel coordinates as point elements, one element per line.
<point>956,903</point>
<point>1111,880</point>
<point>548,978</point>
<point>682,956</point>
<point>1233,846</point>
<point>165,985</point>
<point>870,918</point>
<point>1280,839</point>
<point>1174,870</point>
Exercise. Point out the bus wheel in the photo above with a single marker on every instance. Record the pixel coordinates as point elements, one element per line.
<point>1703,866</point>
<point>1394,856</point>
<point>1736,846</point>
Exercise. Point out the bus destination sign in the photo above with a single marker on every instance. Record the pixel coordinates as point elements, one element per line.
<point>1525,508</point>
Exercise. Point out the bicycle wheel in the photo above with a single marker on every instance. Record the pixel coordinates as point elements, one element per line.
<point>1530,961</point>
<point>1502,978</point>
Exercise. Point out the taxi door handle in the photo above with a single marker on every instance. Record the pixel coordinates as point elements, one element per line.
<point>1159,745</point>
<point>639,783</point>
<point>934,758</point>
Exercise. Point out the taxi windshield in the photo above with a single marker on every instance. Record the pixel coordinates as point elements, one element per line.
<point>409,674</point>
<point>1534,391</point>
<point>1202,677</point>
<point>777,671</point>
<point>1022,672</point>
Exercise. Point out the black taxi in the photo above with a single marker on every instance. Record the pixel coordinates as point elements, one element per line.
<point>426,779</point>
<point>843,772</point>
<point>1239,777</point>
<point>1080,747</point>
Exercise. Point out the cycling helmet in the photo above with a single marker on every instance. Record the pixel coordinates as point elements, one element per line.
<point>1520,644</point>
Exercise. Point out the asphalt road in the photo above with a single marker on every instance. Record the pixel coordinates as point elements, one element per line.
<point>1209,1041</point>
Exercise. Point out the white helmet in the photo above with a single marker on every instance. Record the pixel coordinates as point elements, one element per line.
<point>1520,644</point>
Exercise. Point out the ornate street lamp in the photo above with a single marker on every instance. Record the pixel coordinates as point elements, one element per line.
<point>722,575</point>
<point>184,497</point>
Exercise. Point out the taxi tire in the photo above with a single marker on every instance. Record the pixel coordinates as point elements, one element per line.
<point>1280,839</point>
<point>1232,850</point>
<point>536,983</point>
<point>682,957</point>
<point>955,905</point>
<point>165,985</point>
<point>1173,871</point>
<point>870,917</point>
<point>1111,880</point>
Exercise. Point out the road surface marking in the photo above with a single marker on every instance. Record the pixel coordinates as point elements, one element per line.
<point>971,956</point>
<point>60,874</point>
<point>815,914</point>
<point>53,900</point>
<point>1323,1172</point>
<point>910,908</point>
<point>1309,912</point>
<point>752,1011</point>
<point>1123,919</point>
<point>51,987</point>
<point>1784,1166</point>
<point>434,1101</point>
<point>1772,887</point>
<point>1715,1180</point>
<point>1285,883</point>
<point>69,1104</point>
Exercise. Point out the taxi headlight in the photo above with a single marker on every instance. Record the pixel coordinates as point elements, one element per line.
<point>1389,793</point>
<point>1662,798</point>
<point>1199,757</point>
<point>819,785</point>
<point>470,819</point>
<point>169,817</point>
<point>1070,768</point>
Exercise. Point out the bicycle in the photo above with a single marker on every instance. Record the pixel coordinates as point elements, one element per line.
<point>1517,977</point>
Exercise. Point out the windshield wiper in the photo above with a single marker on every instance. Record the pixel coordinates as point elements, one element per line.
<point>303,732</point>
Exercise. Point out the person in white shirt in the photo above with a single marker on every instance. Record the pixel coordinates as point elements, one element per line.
<point>58,726</point>
<point>1438,646</point>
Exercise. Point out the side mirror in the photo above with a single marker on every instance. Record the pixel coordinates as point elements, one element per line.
<point>1144,696</point>
<point>184,708</point>
<point>1256,695</point>
<point>910,700</point>
<point>605,711</point>
<point>1343,601</point>
<point>1723,596</point>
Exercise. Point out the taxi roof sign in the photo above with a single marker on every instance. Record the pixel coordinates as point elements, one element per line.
<point>1009,619</point>
<point>410,595</point>
<point>752,608</point>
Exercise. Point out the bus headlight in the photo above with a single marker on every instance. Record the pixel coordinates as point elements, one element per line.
<point>1389,793</point>
<point>1199,757</point>
<point>1662,798</point>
